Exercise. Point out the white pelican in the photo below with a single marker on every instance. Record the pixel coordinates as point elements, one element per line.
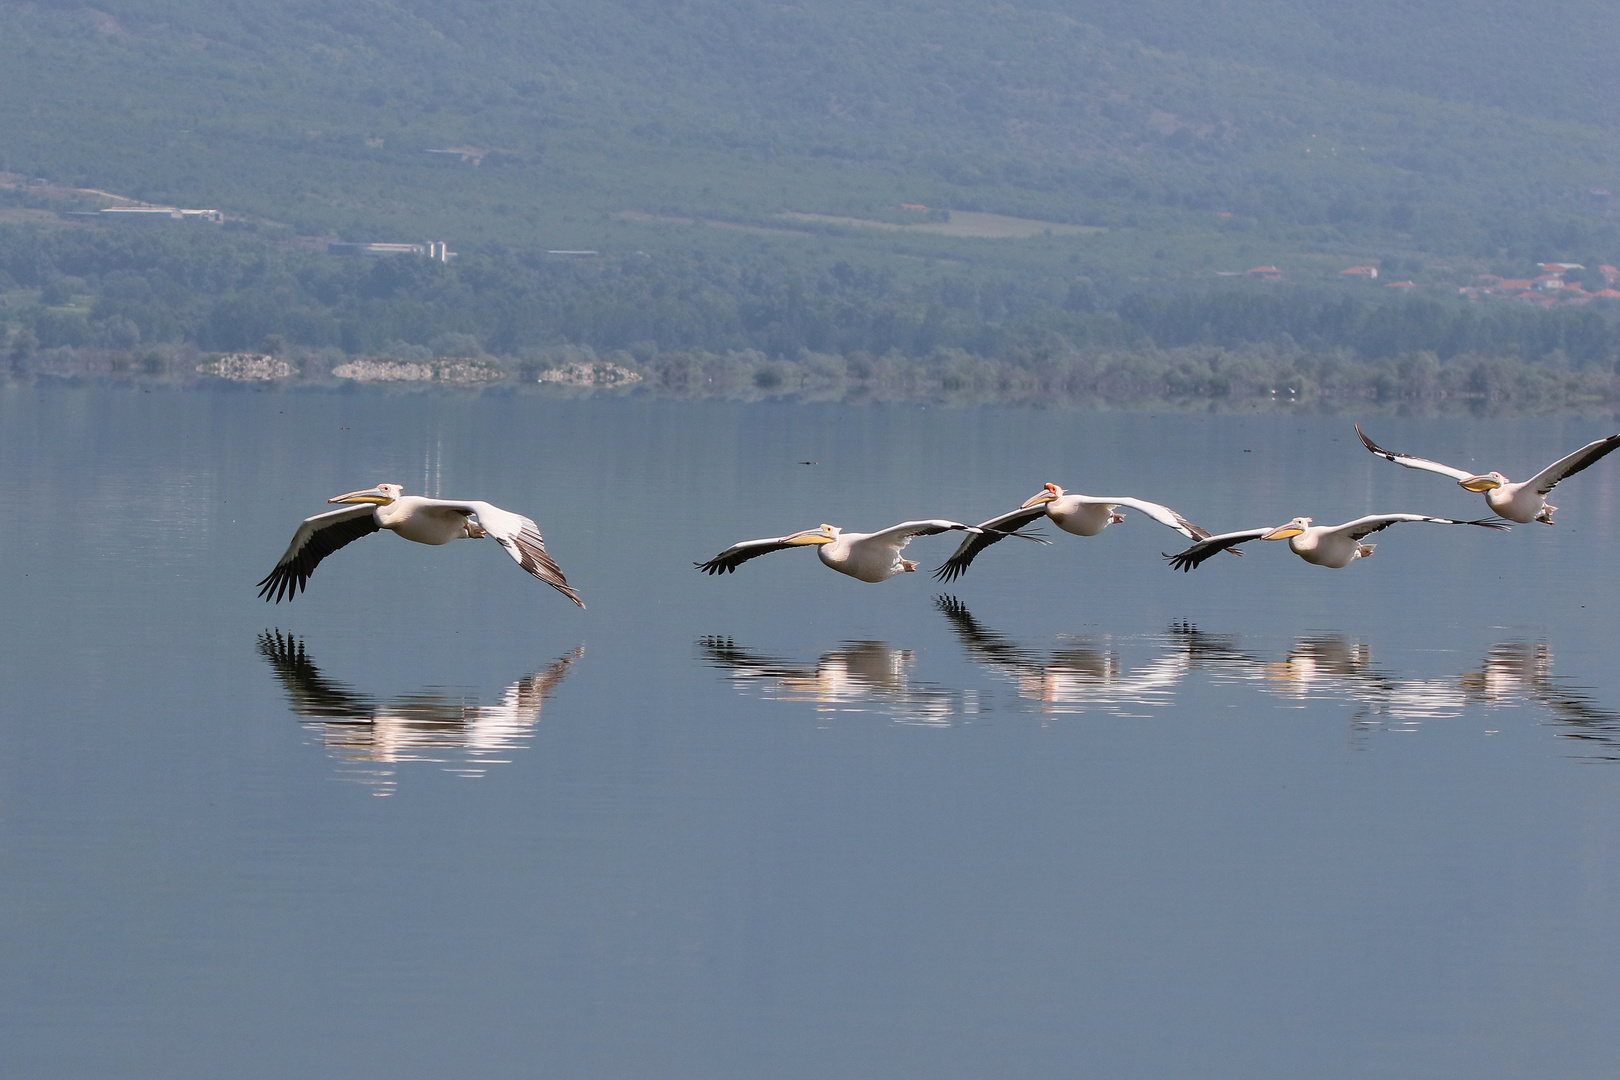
<point>1523,502</point>
<point>1082,515</point>
<point>426,521</point>
<point>870,557</point>
<point>1333,546</point>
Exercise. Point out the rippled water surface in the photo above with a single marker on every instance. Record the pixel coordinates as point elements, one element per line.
<point>1074,815</point>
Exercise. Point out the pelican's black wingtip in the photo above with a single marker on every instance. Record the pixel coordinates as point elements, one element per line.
<point>1180,561</point>
<point>1374,447</point>
<point>277,585</point>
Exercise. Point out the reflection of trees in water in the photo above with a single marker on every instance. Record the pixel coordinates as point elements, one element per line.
<point>855,677</point>
<point>1091,676</point>
<point>432,724</point>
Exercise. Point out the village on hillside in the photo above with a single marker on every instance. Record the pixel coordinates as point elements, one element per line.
<point>1553,286</point>
<point>1558,284</point>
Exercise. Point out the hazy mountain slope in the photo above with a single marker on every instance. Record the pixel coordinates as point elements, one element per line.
<point>1555,62</point>
<point>322,114</point>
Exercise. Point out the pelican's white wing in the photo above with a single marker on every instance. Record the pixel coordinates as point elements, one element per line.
<point>1366,526</point>
<point>315,539</point>
<point>1547,479</point>
<point>1162,514</point>
<point>520,537</point>
<point>1185,561</point>
<point>1416,462</point>
<point>989,532</point>
<point>898,536</point>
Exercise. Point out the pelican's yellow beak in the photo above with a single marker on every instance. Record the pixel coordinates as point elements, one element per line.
<point>1283,532</point>
<point>1046,496</point>
<point>370,495</point>
<point>1480,483</point>
<point>812,536</point>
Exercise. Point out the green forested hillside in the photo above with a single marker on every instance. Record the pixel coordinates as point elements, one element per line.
<point>320,114</point>
<point>1556,63</point>
<point>1435,138</point>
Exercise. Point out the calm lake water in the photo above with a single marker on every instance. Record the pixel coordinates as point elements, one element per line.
<point>1076,815</point>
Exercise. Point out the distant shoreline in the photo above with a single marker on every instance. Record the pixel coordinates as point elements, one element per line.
<point>1190,379</point>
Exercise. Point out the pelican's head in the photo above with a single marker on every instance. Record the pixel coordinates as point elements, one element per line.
<point>1485,482</point>
<point>826,534</point>
<point>382,495</point>
<point>1051,491</point>
<point>1288,531</point>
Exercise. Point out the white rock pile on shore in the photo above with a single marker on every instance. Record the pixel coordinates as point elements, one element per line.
<point>246,367</point>
<point>460,370</point>
<point>590,373</point>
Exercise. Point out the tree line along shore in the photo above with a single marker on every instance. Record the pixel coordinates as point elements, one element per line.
<point>1188,377</point>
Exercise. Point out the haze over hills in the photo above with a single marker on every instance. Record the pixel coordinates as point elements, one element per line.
<point>1442,116</point>
<point>1436,138</point>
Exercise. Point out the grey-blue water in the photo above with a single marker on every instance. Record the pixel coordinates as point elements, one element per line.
<point>1077,815</point>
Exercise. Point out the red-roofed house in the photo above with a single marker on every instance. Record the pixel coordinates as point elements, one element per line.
<point>1606,294</point>
<point>1269,273</point>
<point>1362,271</point>
<point>1401,285</point>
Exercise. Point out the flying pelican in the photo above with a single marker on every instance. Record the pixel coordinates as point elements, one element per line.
<point>1082,515</point>
<point>870,557</point>
<point>1523,502</point>
<point>426,521</point>
<point>1333,546</point>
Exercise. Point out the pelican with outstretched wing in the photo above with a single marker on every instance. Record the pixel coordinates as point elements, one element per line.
<point>1523,502</point>
<point>426,521</point>
<point>1333,546</point>
<point>1082,515</point>
<point>869,557</point>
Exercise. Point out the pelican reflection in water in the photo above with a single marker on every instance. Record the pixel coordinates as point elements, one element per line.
<point>1094,676</point>
<point>1332,667</point>
<point>432,724</point>
<point>1077,678</point>
<point>858,676</point>
<point>1515,671</point>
